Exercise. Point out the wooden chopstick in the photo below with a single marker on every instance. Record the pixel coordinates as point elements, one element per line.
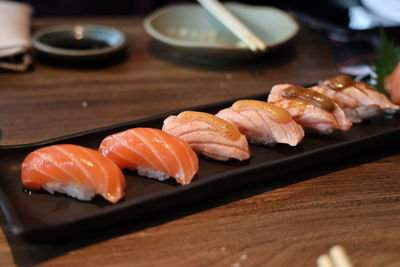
<point>325,261</point>
<point>337,258</point>
<point>221,13</point>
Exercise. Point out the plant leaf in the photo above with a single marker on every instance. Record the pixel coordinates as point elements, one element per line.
<point>386,61</point>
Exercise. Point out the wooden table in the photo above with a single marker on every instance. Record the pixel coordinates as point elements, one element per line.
<point>283,223</point>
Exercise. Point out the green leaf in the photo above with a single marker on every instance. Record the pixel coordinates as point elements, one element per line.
<point>386,60</point>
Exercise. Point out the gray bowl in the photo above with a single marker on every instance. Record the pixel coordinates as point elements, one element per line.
<point>79,42</point>
<point>191,29</point>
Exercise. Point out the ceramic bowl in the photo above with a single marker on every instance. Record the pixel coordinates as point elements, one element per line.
<point>191,28</point>
<point>79,42</point>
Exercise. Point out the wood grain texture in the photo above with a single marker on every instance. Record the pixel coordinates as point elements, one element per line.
<point>285,222</point>
<point>153,79</point>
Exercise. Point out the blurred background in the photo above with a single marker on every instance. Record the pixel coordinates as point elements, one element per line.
<point>116,7</point>
<point>343,20</point>
<point>351,26</point>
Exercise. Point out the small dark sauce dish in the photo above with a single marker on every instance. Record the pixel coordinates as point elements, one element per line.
<point>79,43</point>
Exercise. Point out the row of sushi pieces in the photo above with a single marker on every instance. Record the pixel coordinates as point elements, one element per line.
<point>334,104</point>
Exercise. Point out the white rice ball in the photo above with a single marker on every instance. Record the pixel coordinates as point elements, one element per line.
<point>79,191</point>
<point>152,173</point>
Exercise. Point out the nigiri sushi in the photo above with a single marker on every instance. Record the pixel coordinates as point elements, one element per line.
<point>392,84</point>
<point>263,123</point>
<point>358,100</point>
<point>208,135</point>
<point>153,153</point>
<point>77,171</point>
<point>312,110</point>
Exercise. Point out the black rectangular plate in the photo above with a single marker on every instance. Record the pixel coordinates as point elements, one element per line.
<point>40,216</point>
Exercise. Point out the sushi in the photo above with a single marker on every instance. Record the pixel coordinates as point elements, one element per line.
<point>263,123</point>
<point>208,135</point>
<point>312,110</point>
<point>357,99</point>
<point>74,170</point>
<point>153,153</point>
<point>392,84</point>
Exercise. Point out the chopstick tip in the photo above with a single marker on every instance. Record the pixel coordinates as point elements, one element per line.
<point>324,261</point>
<point>340,257</point>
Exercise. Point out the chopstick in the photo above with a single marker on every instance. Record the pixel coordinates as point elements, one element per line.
<point>337,257</point>
<point>221,13</point>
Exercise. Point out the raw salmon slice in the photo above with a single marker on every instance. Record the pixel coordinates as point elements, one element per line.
<point>392,85</point>
<point>77,171</point>
<point>153,153</point>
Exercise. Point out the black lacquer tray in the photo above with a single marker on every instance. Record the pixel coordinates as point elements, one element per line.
<point>41,216</point>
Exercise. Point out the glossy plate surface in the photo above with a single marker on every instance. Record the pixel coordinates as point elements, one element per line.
<point>40,216</point>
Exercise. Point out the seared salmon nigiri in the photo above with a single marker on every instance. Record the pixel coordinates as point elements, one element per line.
<point>312,110</point>
<point>153,153</point>
<point>263,123</point>
<point>77,171</point>
<point>208,135</point>
<point>358,100</point>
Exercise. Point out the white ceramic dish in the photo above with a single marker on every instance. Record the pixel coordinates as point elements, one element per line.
<point>191,28</point>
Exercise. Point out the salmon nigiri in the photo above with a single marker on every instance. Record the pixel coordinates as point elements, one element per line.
<point>77,171</point>
<point>392,84</point>
<point>357,99</point>
<point>263,123</point>
<point>312,110</point>
<point>153,153</point>
<point>208,135</point>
